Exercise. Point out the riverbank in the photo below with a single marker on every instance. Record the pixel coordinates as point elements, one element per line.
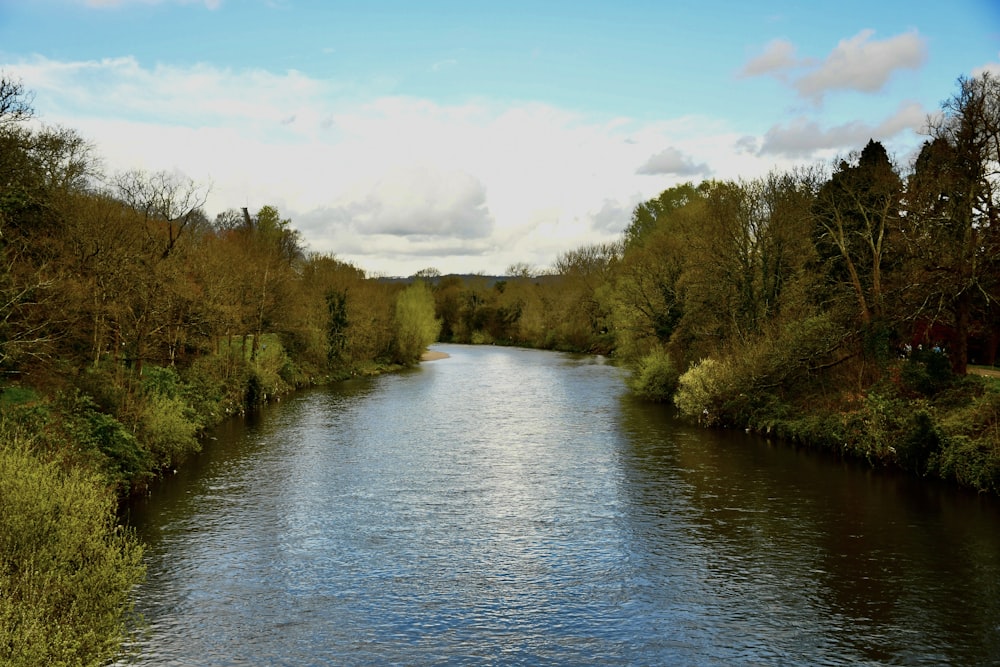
<point>434,355</point>
<point>917,416</point>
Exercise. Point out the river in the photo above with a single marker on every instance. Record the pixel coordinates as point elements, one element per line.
<point>514,507</point>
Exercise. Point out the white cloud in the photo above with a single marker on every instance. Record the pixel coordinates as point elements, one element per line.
<point>420,202</point>
<point>393,184</point>
<point>614,216</point>
<point>860,64</point>
<point>200,95</point>
<point>778,56</point>
<point>672,161</point>
<point>992,68</point>
<point>802,138</point>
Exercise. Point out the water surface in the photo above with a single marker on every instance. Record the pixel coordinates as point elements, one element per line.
<point>514,507</point>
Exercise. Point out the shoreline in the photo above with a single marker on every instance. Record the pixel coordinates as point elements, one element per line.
<point>433,355</point>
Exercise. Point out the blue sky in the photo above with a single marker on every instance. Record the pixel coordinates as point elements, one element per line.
<point>469,136</point>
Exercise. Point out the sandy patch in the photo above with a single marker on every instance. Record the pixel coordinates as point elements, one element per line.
<point>433,355</point>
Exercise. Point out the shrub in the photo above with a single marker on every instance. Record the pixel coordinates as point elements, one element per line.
<point>973,462</point>
<point>927,372</point>
<point>481,338</point>
<point>882,422</point>
<point>66,567</point>
<point>920,443</point>
<point>655,377</point>
<point>701,390</point>
<point>161,380</point>
<point>209,390</point>
<point>970,450</point>
<point>105,443</point>
<point>168,428</point>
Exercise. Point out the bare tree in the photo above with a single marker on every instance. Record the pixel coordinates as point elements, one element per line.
<point>15,102</point>
<point>169,202</point>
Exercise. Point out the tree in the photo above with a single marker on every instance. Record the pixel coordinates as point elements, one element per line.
<point>429,274</point>
<point>15,101</point>
<point>40,173</point>
<point>648,215</point>
<point>168,202</point>
<point>448,302</point>
<point>953,227</point>
<point>734,264</point>
<point>521,270</point>
<point>578,299</point>
<point>856,213</point>
<point>646,303</point>
<point>416,326</point>
<point>275,247</point>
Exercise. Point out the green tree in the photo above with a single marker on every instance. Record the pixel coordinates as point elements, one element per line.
<point>646,303</point>
<point>578,297</point>
<point>649,215</point>
<point>415,324</point>
<point>856,215</point>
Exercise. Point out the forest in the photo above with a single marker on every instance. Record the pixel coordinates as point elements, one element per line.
<point>836,306</point>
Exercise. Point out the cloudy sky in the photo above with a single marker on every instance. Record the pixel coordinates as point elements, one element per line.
<point>467,136</point>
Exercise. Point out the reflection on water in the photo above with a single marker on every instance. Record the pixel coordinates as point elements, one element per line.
<point>509,506</point>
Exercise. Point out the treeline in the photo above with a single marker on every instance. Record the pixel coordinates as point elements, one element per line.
<point>129,322</point>
<point>838,306</point>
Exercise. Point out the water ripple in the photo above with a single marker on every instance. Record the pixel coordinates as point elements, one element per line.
<point>510,507</point>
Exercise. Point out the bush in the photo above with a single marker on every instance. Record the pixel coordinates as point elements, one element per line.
<point>655,377</point>
<point>701,391</point>
<point>927,372</point>
<point>161,380</point>
<point>879,425</point>
<point>168,428</point>
<point>66,567</point>
<point>210,388</point>
<point>972,462</point>
<point>921,442</point>
<point>104,442</point>
<point>970,450</point>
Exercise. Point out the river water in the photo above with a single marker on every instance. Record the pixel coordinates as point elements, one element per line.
<point>515,507</point>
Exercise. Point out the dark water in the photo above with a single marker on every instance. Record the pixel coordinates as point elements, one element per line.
<point>513,507</point>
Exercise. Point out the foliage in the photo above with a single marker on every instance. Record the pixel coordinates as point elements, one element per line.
<point>168,429</point>
<point>336,333</point>
<point>877,426</point>
<point>104,442</point>
<point>416,326</point>
<point>970,453</point>
<point>703,389</point>
<point>66,567</point>
<point>655,377</point>
<point>920,443</point>
<point>927,372</point>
